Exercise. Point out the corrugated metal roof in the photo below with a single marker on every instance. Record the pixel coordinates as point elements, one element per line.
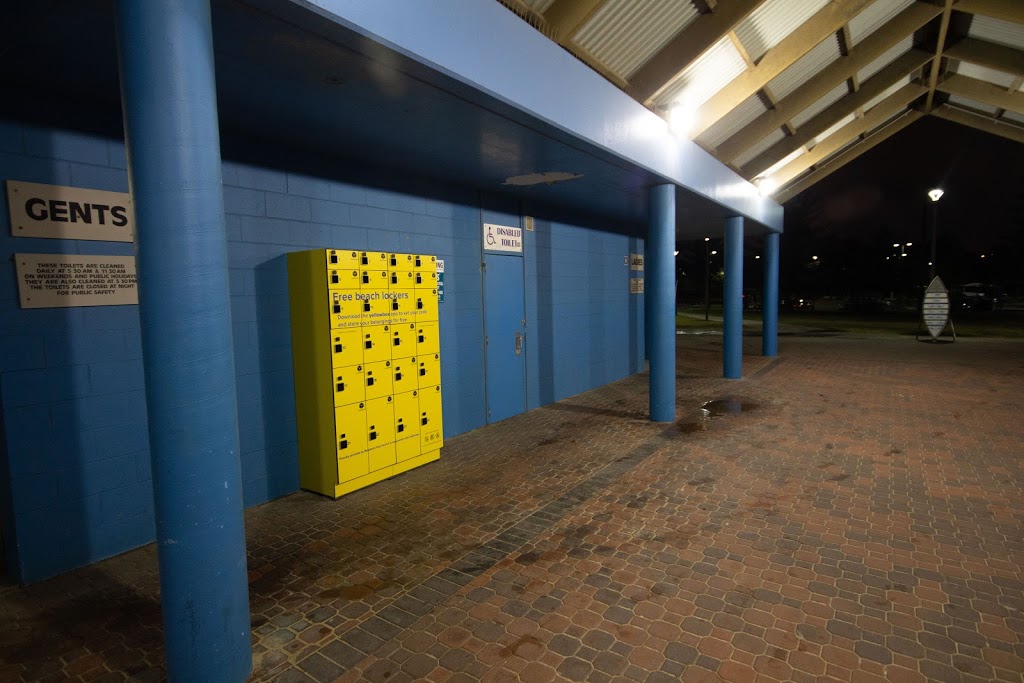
<point>886,58</point>
<point>624,34</point>
<point>997,31</point>
<point>891,90</point>
<point>826,52</point>
<point>1013,116</point>
<point>538,6</point>
<point>705,76</point>
<point>834,127</point>
<point>784,161</point>
<point>1000,78</point>
<point>811,111</point>
<point>764,144</point>
<point>770,23</point>
<point>874,17</point>
<point>728,125</point>
<point>972,104</point>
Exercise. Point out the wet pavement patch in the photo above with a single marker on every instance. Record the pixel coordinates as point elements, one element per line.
<point>728,405</point>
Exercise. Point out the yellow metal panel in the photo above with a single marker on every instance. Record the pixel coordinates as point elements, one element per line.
<point>341,258</point>
<point>403,340</point>
<point>427,342</point>
<point>413,463</point>
<point>426,305</point>
<point>403,279</point>
<point>350,428</point>
<point>349,385</point>
<point>376,308</point>
<point>374,280</point>
<point>343,278</point>
<point>407,425</point>
<point>425,263</point>
<point>371,478</point>
<point>379,381</point>
<point>311,364</point>
<point>373,260</point>
<point>345,310</point>
<point>428,371</point>
<point>405,263</point>
<point>426,280</point>
<point>380,428</point>
<point>403,373</point>
<point>431,433</point>
<point>346,347</point>
<point>376,341</point>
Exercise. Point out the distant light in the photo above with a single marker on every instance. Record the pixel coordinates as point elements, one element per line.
<point>910,244</point>
<point>681,117</point>
<point>715,251</point>
<point>675,253</point>
<point>814,258</point>
<point>765,186</point>
<point>902,255</point>
<point>929,263</point>
<point>707,239</point>
<point>982,256</point>
<point>897,245</point>
<point>756,257</point>
<point>887,258</point>
<point>935,195</point>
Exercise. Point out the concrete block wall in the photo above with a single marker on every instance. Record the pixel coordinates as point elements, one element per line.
<point>75,480</point>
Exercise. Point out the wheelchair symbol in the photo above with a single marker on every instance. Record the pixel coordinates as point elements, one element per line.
<point>490,235</point>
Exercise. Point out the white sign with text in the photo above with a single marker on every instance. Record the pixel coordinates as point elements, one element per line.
<point>58,280</point>
<point>503,238</point>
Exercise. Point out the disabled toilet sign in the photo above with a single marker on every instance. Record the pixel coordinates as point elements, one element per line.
<point>502,238</point>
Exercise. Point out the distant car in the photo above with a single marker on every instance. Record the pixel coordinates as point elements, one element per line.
<point>974,296</point>
<point>798,303</point>
<point>865,304</point>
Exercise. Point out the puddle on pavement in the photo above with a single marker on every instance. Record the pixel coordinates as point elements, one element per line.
<point>729,405</point>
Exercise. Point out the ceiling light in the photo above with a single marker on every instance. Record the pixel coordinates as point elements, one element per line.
<point>681,117</point>
<point>935,195</point>
<point>765,186</point>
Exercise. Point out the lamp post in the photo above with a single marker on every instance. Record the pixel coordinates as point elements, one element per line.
<point>935,195</point>
<point>707,279</point>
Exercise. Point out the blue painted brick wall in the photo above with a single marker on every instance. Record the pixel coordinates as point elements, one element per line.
<point>75,480</point>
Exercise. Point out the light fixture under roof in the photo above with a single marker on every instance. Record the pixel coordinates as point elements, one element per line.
<point>681,117</point>
<point>545,178</point>
<point>935,195</point>
<point>765,186</point>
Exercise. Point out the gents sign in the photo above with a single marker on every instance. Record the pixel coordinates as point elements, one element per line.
<point>71,213</point>
<point>56,280</point>
<point>502,238</point>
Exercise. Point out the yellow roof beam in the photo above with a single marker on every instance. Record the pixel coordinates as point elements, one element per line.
<point>1008,10</point>
<point>846,157</point>
<point>940,45</point>
<point>870,89</point>
<point>989,55</point>
<point>983,91</point>
<point>690,44</point>
<point>860,55</point>
<point>984,123</point>
<point>822,25</point>
<point>564,17</point>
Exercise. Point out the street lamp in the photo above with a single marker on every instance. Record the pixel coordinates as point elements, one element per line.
<point>935,195</point>
<point>707,279</point>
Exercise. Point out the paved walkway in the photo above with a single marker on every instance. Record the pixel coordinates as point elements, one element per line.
<point>853,512</point>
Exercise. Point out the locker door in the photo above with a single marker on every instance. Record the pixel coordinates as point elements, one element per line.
<point>380,432</point>
<point>407,425</point>
<point>350,429</point>
<point>431,437</point>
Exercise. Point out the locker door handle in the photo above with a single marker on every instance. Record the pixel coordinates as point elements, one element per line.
<point>519,343</point>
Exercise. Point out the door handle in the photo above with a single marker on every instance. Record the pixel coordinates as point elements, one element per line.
<point>519,343</point>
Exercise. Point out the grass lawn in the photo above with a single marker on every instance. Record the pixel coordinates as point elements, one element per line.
<point>1009,324</point>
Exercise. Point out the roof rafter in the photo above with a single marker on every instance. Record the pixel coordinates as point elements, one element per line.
<point>871,88</point>
<point>687,46</point>
<point>940,45</point>
<point>564,17</point>
<point>990,55</point>
<point>983,91</point>
<point>878,115</point>
<point>849,155</point>
<point>1008,10</point>
<point>1010,132</point>
<point>802,40</point>
<point>862,54</point>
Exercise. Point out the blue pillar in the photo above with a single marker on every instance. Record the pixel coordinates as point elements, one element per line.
<point>660,292</point>
<point>168,96</point>
<point>732,300</point>
<point>770,303</point>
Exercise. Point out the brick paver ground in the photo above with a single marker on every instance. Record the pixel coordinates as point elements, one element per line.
<point>853,511</point>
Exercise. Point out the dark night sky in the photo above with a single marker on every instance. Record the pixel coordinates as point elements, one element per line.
<point>854,215</point>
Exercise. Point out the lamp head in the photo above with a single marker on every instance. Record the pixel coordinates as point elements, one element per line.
<point>935,195</point>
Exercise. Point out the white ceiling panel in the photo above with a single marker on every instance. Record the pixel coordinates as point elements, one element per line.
<point>731,123</point>
<point>826,52</point>
<point>784,161</point>
<point>816,108</point>
<point>874,17</point>
<point>997,31</point>
<point>705,76</point>
<point>770,23</point>
<point>834,127</point>
<point>775,137</point>
<point>624,34</point>
<point>972,104</point>
<point>982,73</point>
<point>886,58</point>
<point>891,90</point>
<point>1013,116</point>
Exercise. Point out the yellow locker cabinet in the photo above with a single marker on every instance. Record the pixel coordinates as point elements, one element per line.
<point>365,354</point>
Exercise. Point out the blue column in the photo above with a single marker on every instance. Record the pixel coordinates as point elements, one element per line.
<point>660,292</point>
<point>770,299</point>
<point>732,300</point>
<point>168,96</point>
